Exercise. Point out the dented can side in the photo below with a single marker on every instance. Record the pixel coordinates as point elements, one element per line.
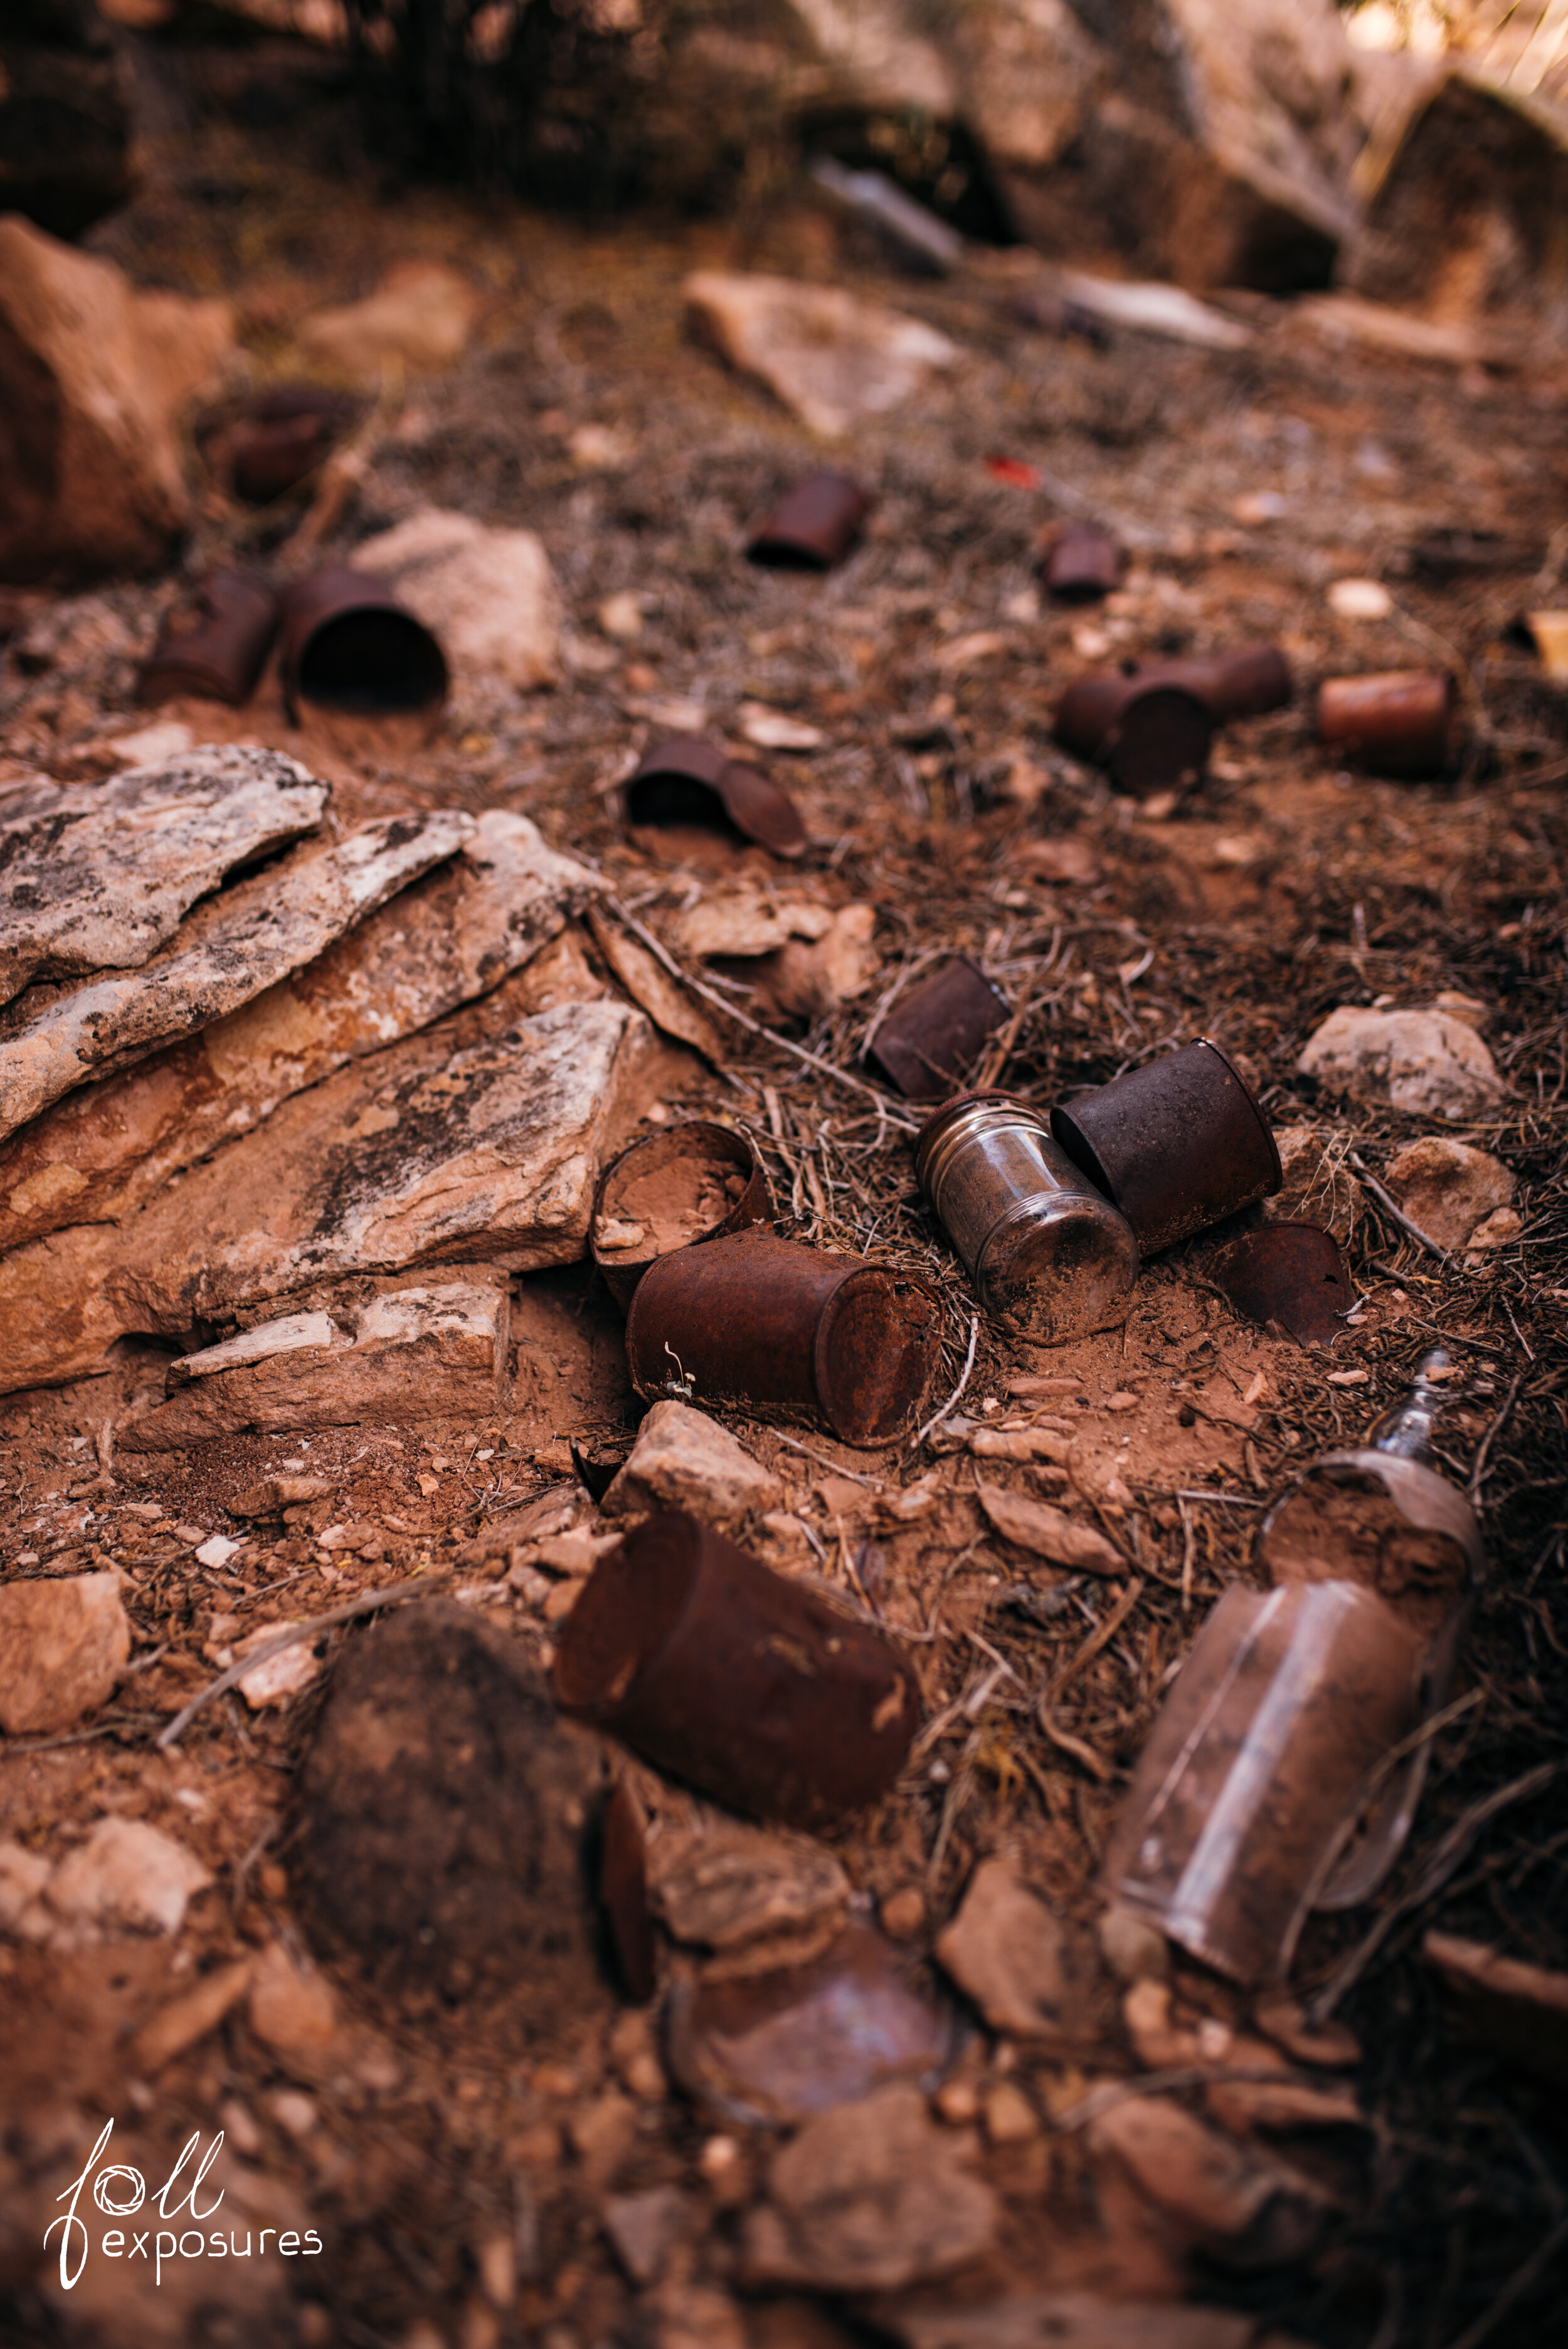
<point>1177,1145</point>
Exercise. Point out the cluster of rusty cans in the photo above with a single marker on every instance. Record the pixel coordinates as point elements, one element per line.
<point>1052,1216</point>
<point>1283,1773</point>
<point>346,642</point>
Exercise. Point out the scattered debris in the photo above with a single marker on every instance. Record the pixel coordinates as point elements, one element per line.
<point>927,1042</point>
<point>814,525</point>
<point>1047,1533</point>
<point>1291,1274</point>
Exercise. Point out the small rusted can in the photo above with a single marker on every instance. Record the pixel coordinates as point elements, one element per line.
<point>1082,562</point>
<point>1397,723</point>
<point>737,1680</point>
<point>814,525</point>
<point>762,1322</point>
<point>1178,1144</point>
<point>928,1041</point>
<point>1291,1273</point>
<point>1240,684</point>
<point>349,644</point>
<point>681,779</point>
<point>669,1190</point>
<point>1047,1253</point>
<point>213,643</point>
<point>1148,736</point>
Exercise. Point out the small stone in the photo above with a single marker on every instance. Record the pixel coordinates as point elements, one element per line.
<point>489,593</point>
<point>825,354</point>
<point>295,2012</point>
<point>601,2135</point>
<point>868,2198</point>
<point>1499,1230</point>
<point>725,2170</point>
<point>187,2020</point>
<point>1332,2045</point>
<point>1007,1950</point>
<point>958,2101</point>
<point>128,1876</point>
<point>644,2229</point>
<point>684,1460</point>
<point>64,1643</point>
<point>1235,2201</point>
<point>1008,2117</point>
<point>1425,1062</point>
<point>422,314</point>
<point>1049,1533</point>
<point>902,1913</point>
<point>621,616</point>
<point>293,2112</point>
<point>1315,1187</point>
<point>636,2054</point>
<point>725,1885</point>
<point>1134,1949</point>
<point>1359,599</point>
<point>23,1876</point>
<point>218,1550</point>
<point>1448,1188</point>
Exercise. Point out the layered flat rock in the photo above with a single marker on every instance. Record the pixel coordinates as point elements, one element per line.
<point>448,938</point>
<point>415,1353</point>
<point>100,879</point>
<point>229,951</point>
<point>829,356</point>
<point>421,1154</point>
<point>684,1460</point>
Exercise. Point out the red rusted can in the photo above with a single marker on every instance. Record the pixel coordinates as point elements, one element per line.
<point>1243,683</point>
<point>684,780</point>
<point>814,525</point>
<point>1150,737</point>
<point>765,1322</point>
<point>737,1680</point>
<point>348,644</point>
<point>281,438</point>
<point>928,1041</point>
<point>213,643</point>
<point>1082,562</point>
<point>686,1182</point>
<point>1397,723</point>
<point>1178,1144</point>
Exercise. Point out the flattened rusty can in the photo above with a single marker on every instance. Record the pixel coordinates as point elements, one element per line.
<point>1083,561</point>
<point>929,1040</point>
<point>1148,736</point>
<point>1178,1144</point>
<point>1048,1254</point>
<point>765,1322</point>
<point>349,644</point>
<point>814,525</point>
<point>1400,722</point>
<point>1291,1273</point>
<point>681,779</point>
<point>748,1686</point>
<point>669,1190</point>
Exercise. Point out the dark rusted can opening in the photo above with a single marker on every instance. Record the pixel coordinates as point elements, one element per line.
<point>349,644</point>
<point>814,525</point>
<point>683,780</point>
<point>684,1185</point>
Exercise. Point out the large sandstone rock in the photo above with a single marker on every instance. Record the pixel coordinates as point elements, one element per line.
<point>830,357</point>
<point>64,1643</point>
<point>1424,1061</point>
<point>93,377</point>
<point>439,943</point>
<point>684,1460</point>
<point>420,316</point>
<point>868,2198</point>
<point>99,879</point>
<point>489,595</point>
<point>230,949</point>
<point>1448,1188</point>
<point>412,1353</point>
<point>420,1155</point>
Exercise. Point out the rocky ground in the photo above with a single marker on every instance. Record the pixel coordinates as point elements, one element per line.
<point>490,2160</point>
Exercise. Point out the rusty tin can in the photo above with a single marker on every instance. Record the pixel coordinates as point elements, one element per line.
<point>744,1684</point>
<point>282,436</point>
<point>348,644</point>
<point>762,1322</point>
<point>1397,723</point>
<point>681,779</point>
<point>1048,1254</point>
<point>213,643</point>
<point>928,1041</point>
<point>1177,1145</point>
<point>1291,1273</point>
<point>1242,683</point>
<point>687,1183</point>
<point>814,525</point>
<point>1083,561</point>
<point>1148,735</point>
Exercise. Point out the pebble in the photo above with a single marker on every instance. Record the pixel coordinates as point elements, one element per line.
<point>64,1642</point>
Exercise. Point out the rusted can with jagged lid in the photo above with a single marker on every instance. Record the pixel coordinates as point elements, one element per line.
<point>1048,1256</point>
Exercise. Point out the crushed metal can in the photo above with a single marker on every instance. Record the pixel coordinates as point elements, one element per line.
<point>814,525</point>
<point>1291,1274</point>
<point>1048,1254</point>
<point>1273,1782</point>
<point>1398,723</point>
<point>1177,1145</point>
<point>927,1043</point>
<point>213,643</point>
<point>1149,737</point>
<point>688,1183</point>
<point>349,644</point>
<point>735,1680</point>
<point>765,1322</point>
<point>1081,562</point>
<point>681,779</point>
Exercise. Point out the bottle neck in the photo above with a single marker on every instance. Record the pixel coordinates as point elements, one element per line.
<point>1407,1431</point>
